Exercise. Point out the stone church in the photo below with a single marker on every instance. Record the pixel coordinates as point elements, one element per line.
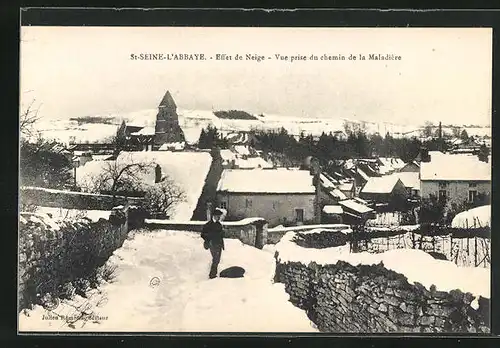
<point>167,128</point>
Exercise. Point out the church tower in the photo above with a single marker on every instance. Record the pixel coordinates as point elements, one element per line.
<point>167,128</point>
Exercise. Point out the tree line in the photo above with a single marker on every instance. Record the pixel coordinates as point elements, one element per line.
<point>327,147</point>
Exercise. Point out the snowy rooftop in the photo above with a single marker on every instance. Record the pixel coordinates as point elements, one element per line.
<point>346,186</point>
<point>363,174</point>
<point>326,182</point>
<point>266,181</point>
<point>227,155</point>
<point>145,131</point>
<point>455,167</point>
<point>353,205</point>
<point>101,157</point>
<point>333,209</point>
<point>338,194</point>
<point>242,150</point>
<point>253,162</point>
<point>383,184</point>
<point>409,179</point>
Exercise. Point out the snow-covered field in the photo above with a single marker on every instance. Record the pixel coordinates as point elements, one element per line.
<point>162,285</point>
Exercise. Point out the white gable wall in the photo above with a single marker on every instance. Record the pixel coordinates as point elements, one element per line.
<point>272,207</point>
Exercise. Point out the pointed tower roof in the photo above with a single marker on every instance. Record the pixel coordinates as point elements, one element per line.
<point>167,101</point>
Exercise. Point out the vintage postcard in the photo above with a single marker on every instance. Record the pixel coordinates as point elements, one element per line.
<point>245,179</point>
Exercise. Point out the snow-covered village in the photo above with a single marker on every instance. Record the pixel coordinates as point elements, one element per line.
<point>177,219</point>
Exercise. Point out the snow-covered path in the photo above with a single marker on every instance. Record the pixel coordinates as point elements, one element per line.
<point>161,285</point>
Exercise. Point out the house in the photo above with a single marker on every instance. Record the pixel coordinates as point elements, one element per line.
<point>330,194</point>
<point>348,188</point>
<point>454,178</point>
<point>332,214</point>
<point>280,196</point>
<point>134,137</point>
<point>411,180</point>
<point>412,166</point>
<point>469,145</point>
<point>228,158</point>
<point>233,160</point>
<point>369,168</point>
<point>355,212</point>
<point>385,189</point>
<point>388,165</point>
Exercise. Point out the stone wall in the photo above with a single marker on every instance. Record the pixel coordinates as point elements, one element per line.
<point>71,200</point>
<point>373,299</point>
<point>251,231</point>
<point>53,253</point>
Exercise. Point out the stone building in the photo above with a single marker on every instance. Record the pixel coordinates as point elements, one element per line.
<point>280,196</point>
<point>455,179</point>
<point>167,128</point>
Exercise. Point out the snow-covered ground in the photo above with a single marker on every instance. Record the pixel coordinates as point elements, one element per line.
<point>476,217</point>
<point>162,285</point>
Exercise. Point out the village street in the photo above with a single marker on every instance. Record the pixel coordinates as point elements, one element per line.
<point>162,285</point>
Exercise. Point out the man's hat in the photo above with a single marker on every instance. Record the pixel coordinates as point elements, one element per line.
<point>218,212</point>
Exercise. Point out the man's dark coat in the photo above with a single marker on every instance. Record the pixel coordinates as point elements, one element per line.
<point>213,234</point>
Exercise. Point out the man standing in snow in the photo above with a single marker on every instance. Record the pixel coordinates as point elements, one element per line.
<point>213,237</point>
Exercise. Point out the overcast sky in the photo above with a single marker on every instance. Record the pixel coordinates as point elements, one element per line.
<point>444,74</point>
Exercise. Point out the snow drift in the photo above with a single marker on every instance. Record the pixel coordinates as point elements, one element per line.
<point>476,217</point>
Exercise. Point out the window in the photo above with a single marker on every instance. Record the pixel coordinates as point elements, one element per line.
<point>299,215</point>
<point>249,203</point>
<point>442,195</point>
<point>223,205</point>
<point>472,195</point>
<point>442,185</point>
<point>473,184</point>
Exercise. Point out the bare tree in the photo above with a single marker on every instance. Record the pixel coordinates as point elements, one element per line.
<point>160,198</point>
<point>427,130</point>
<point>119,175</point>
<point>27,119</point>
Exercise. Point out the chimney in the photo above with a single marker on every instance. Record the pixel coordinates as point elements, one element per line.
<point>424,155</point>
<point>157,174</point>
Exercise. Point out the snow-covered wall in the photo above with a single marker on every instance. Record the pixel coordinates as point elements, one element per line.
<point>54,252</point>
<point>71,200</point>
<point>388,292</point>
<point>250,231</point>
